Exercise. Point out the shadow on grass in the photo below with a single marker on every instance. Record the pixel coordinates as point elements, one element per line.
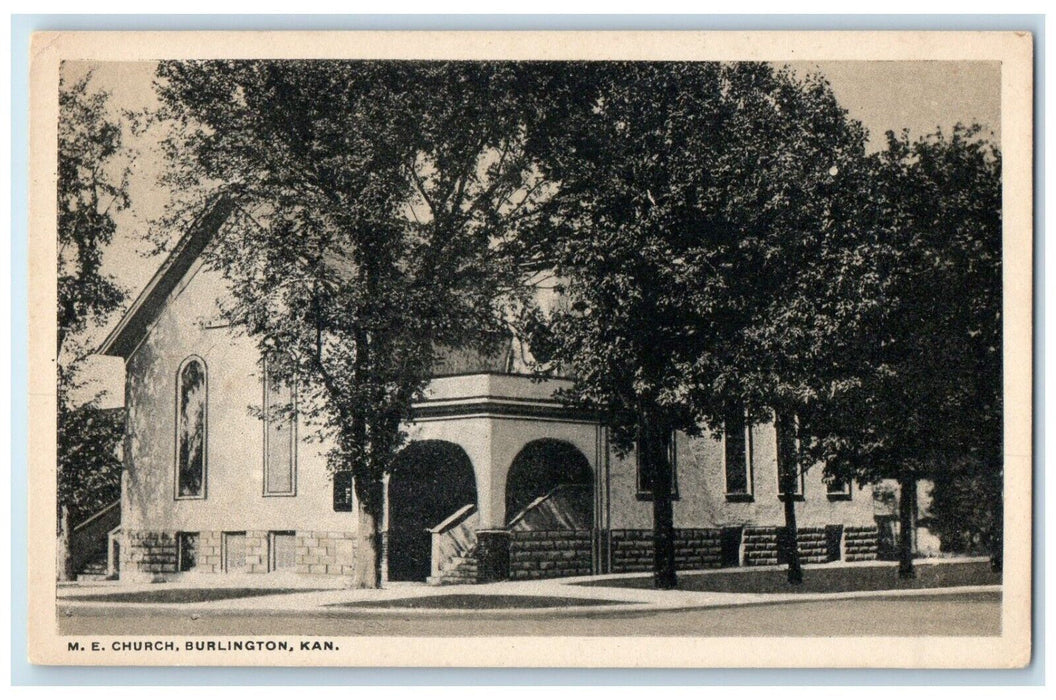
<point>882,577</point>
<point>479,602</point>
<point>184,595</point>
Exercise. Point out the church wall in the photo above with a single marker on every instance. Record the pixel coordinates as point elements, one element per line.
<point>234,500</point>
<point>705,519</point>
<point>702,501</point>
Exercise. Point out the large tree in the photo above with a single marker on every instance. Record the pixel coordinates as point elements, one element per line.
<point>91,189</point>
<point>90,192</point>
<point>687,193</point>
<point>915,389</point>
<point>374,200</point>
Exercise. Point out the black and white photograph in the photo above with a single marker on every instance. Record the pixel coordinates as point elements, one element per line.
<point>590,349</point>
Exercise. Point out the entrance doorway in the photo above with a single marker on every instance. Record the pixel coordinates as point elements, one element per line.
<point>430,480</point>
<point>549,466</point>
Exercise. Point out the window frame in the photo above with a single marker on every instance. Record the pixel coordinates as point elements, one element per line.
<point>748,495</point>
<point>204,491</point>
<point>225,542</point>
<point>781,495</point>
<point>272,550</point>
<point>845,495</point>
<point>265,492</point>
<point>646,494</point>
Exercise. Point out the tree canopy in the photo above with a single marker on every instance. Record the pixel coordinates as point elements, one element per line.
<point>689,197</point>
<point>89,193</point>
<point>374,202</point>
<point>917,391</point>
<point>91,189</point>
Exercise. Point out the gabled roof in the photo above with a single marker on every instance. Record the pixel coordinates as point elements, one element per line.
<point>124,338</point>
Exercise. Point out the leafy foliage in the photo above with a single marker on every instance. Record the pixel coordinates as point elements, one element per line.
<point>375,200</point>
<point>967,509</point>
<point>915,382</point>
<point>89,440</point>
<point>88,194</point>
<point>91,189</point>
<point>690,196</point>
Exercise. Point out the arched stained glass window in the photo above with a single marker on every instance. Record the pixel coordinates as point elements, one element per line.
<point>191,417</point>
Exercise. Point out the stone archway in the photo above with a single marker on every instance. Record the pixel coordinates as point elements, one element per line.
<point>430,480</point>
<point>540,468</point>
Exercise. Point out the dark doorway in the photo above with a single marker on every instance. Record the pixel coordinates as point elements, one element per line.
<point>430,480</point>
<point>541,467</point>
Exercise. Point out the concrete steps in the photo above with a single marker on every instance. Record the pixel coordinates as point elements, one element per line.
<point>459,570</point>
<point>859,543</point>
<point>94,569</point>
<point>760,546</point>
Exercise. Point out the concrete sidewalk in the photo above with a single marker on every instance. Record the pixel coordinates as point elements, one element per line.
<point>284,594</point>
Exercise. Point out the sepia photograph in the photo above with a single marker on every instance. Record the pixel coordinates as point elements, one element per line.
<point>519,349</point>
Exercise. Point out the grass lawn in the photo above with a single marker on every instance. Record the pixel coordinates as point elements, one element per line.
<point>882,577</point>
<point>183,595</point>
<point>479,602</point>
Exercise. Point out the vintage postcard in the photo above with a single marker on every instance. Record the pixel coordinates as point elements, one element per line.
<point>625,349</point>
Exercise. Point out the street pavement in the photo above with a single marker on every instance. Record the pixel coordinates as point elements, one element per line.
<point>286,602</point>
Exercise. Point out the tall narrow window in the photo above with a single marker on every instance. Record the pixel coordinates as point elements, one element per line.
<point>735,444</point>
<point>788,470</point>
<point>646,475</point>
<point>191,426</point>
<point>280,436</point>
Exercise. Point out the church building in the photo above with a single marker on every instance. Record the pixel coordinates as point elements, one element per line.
<point>493,462</point>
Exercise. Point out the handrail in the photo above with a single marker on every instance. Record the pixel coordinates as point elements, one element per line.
<point>524,511</point>
<point>522,516</point>
<point>454,537</point>
<point>455,519</point>
<point>104,511</point>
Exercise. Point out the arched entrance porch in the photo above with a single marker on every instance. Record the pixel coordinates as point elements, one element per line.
<point>430,480</point>
<point>554,468</point>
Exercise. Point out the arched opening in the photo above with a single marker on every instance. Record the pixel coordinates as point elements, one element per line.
<point>554,467</point>
<point>430,480</point>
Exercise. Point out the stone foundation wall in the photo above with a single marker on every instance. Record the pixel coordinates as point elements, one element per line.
<point>150,553</point>
<point>763,545</point>
<point>257,551</point>
<point>157,553</point>
<point>549,553</point>
<point>695,548</point>
<point>328,552</point>
<point>210,544</point>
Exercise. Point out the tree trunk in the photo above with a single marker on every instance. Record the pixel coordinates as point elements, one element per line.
<point>907,506</point>
<point>63,570</point>
<point>368,533</point>
<point>656,444</point>
<point>788,470</point>
<point>795,568</point>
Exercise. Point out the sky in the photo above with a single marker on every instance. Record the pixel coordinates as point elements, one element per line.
<point>921,96</point>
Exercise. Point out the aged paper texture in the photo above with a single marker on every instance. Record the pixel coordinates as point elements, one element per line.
<point>279,429</point>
